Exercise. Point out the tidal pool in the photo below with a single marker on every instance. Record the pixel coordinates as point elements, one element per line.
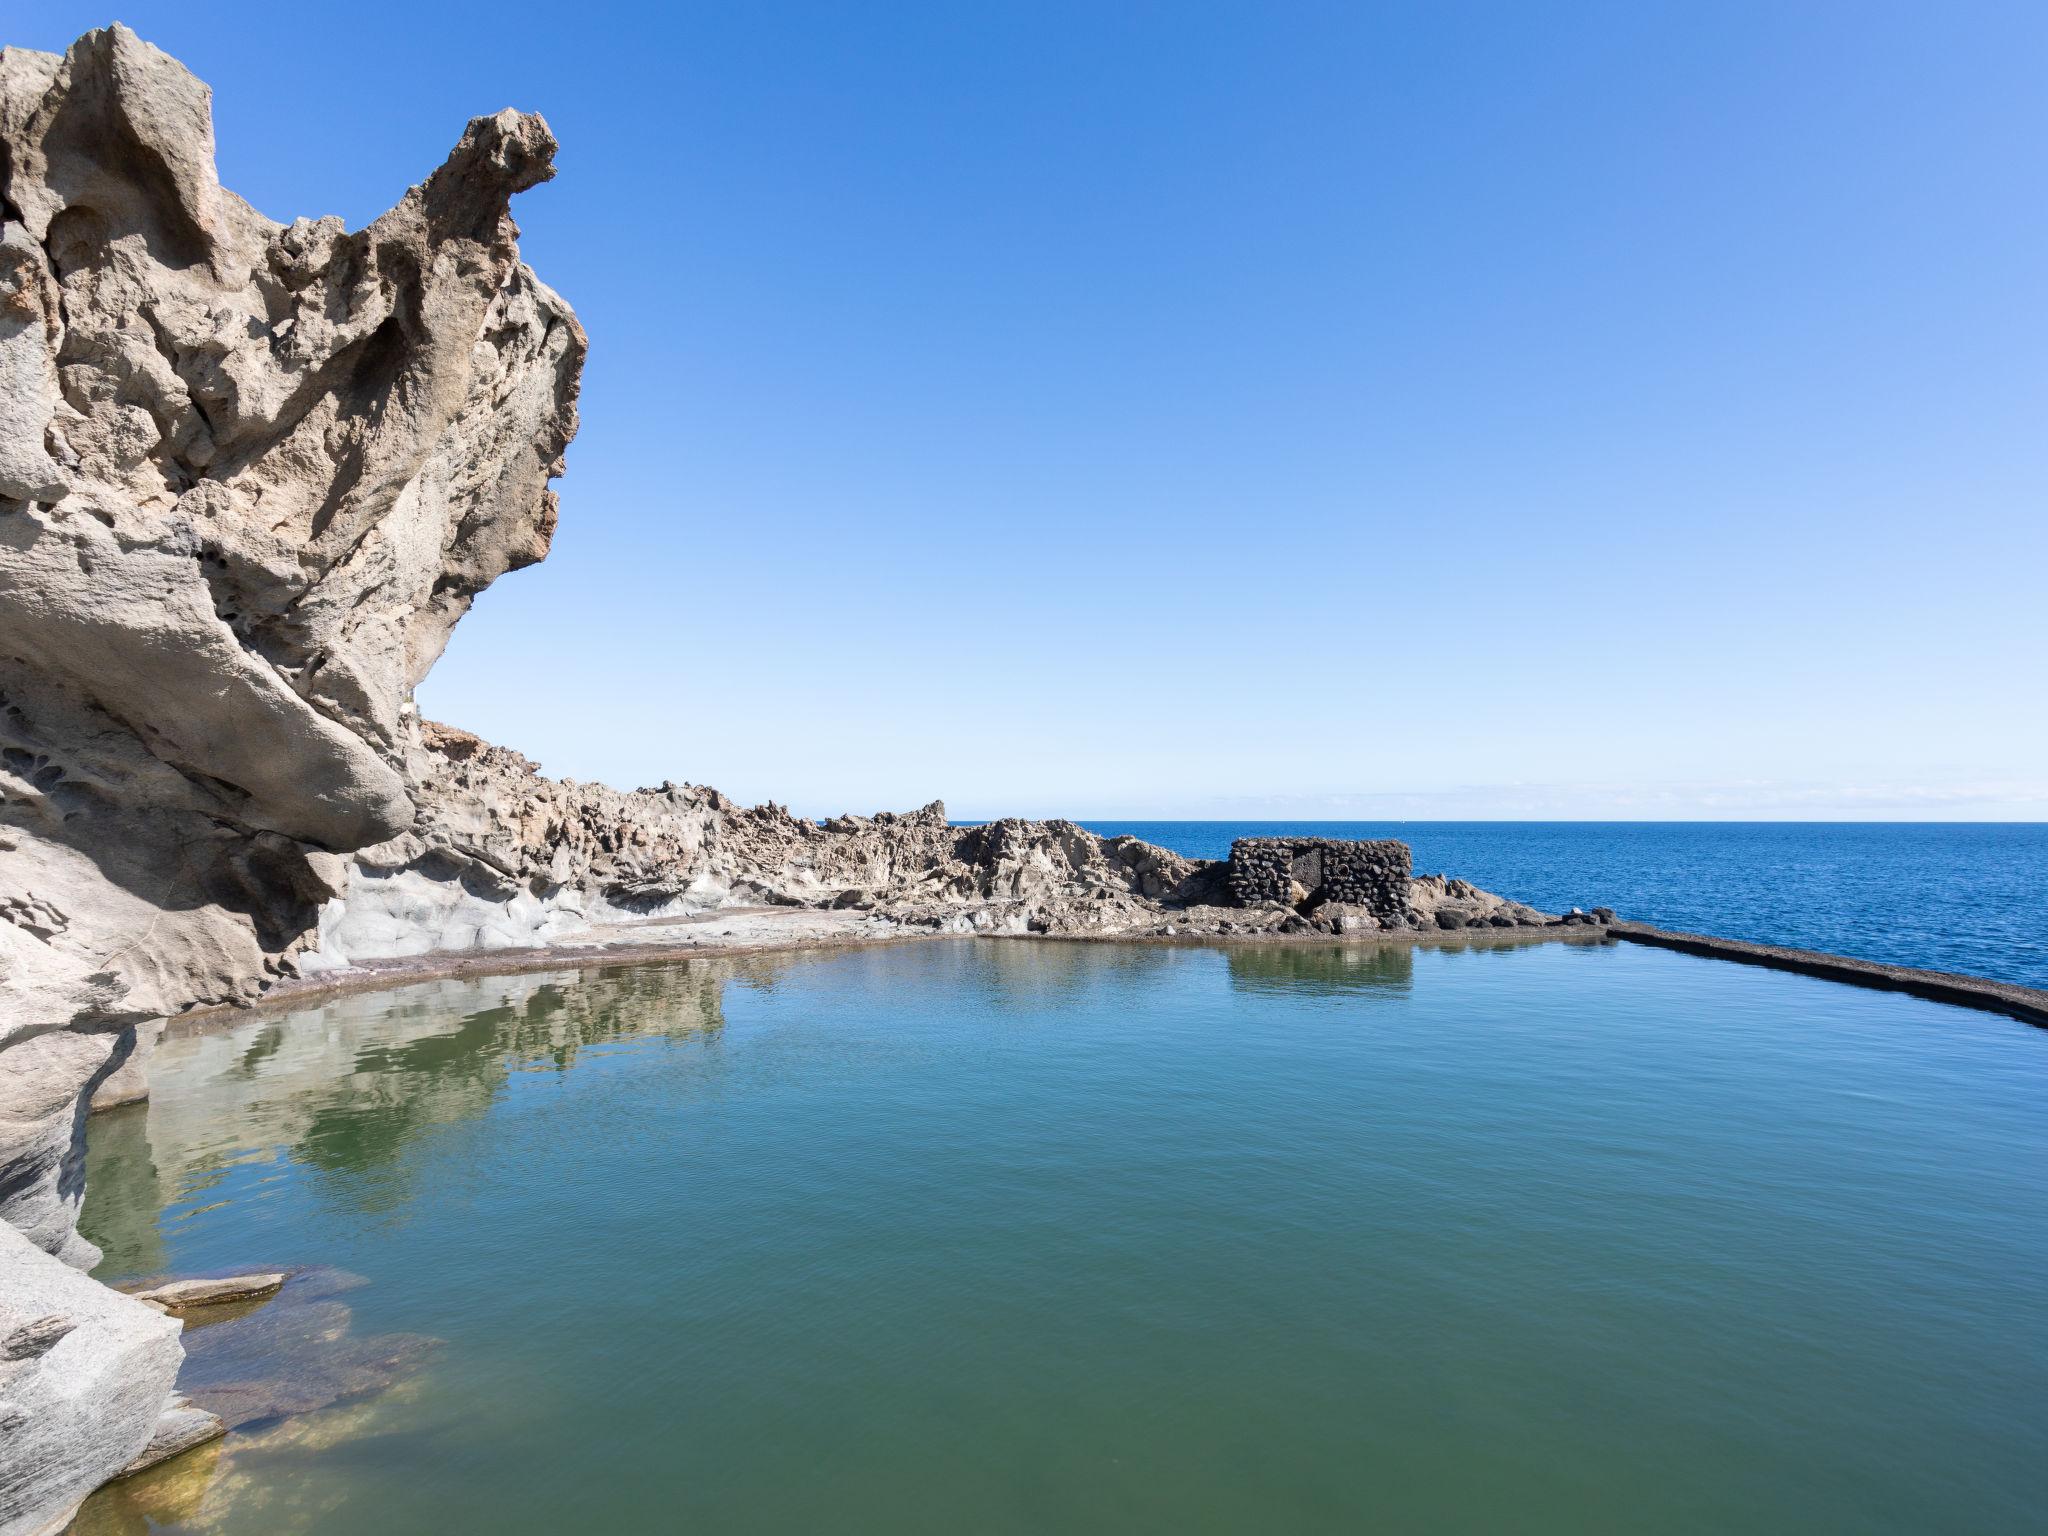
<point>985,1236</point>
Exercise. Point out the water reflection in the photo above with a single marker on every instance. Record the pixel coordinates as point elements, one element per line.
<point>1025,976</point>
<point>346,1085</point>
<point>1323,968</point>
<point>1013,1237</point>
<point>343,1087</point>
<point>122,1187</point>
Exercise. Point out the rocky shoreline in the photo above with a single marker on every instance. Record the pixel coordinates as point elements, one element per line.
<point>251,476</point>
<point>381,976</point>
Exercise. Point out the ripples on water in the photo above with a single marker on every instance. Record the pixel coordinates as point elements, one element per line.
<point>1012,1237</point>
<point>1943,896</point>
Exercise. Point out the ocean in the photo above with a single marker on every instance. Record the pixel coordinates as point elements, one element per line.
<point>1946,896</point>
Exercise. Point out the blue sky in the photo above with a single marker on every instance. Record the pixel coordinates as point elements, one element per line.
<point>1216,410</point>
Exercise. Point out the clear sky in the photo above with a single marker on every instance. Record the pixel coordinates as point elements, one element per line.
<point>1584,410</point>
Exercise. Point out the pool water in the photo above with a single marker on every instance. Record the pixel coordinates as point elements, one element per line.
<point>1000,1237</point>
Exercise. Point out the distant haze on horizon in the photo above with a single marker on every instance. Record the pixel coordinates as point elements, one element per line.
<point>1591,411</point>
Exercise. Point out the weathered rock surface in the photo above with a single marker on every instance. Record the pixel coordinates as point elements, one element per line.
<point>85,1377</point>
<point>251,474</point>
<point>503,857</point>
<point>212,1291</point>
<point>47,1080</point>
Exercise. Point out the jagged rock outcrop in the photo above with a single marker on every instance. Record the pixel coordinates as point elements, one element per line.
<point>503,857</point>
<point>251,474</point>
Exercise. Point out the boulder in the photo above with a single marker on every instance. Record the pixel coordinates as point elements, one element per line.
<point>85,1377</point>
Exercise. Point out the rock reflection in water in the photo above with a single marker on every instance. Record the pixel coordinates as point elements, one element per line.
<point>1010,1237</point>
<point>339,1089</point>
<point>1323,968</point>
<point>344,1086</point>
<point>1363,967</point>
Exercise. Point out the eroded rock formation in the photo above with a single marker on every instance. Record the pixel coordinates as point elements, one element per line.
<point>250,476</point>
<point>504,857</point>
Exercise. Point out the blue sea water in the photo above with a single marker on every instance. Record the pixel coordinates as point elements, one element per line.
<point>1969,897</point>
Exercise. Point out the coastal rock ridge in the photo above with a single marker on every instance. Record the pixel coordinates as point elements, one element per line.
<point>251,476</point>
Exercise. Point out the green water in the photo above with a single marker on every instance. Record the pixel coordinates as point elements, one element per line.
<point>1000,1237</point>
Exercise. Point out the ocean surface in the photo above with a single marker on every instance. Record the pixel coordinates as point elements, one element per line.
<point>1013,1238</point>
<point>1969,897</point>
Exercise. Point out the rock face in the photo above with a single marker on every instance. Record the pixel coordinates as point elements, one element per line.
<point>251,474</point>
<point>503,857</point>
<point>47,1080</point>
<point>85,1377</point>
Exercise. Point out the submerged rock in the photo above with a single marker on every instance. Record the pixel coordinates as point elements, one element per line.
<point>297,1354</point>
<point>178,1295</point>
<point>179,1428</point>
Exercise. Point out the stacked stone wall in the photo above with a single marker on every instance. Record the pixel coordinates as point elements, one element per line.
<point>1373,875</point>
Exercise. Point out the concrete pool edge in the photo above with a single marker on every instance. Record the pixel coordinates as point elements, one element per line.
<point>2029,1004</point>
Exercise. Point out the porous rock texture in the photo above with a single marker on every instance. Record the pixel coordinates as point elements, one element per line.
<point>251,474</point>
<point>503,857</point>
